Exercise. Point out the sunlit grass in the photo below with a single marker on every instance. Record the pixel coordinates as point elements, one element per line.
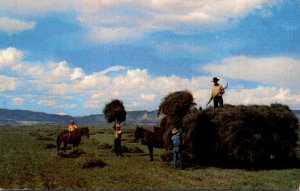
<point>25,162</point>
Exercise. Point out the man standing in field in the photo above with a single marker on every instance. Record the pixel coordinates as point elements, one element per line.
<point>217,92</point>
<point>118,138</point>
<point>177,147</point>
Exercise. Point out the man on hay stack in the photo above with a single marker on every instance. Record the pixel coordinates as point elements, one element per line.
<point>217,92</point>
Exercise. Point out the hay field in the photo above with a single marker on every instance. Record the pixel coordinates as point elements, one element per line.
<point>29,159</point>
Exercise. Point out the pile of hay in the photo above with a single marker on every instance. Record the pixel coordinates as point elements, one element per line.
<point>174,107</point>
<point>247,136</point>
<point>176,104</point>
<point>255,135</point>
<point>94,163</point>
<point>114,111</point>
<point>73,154</point>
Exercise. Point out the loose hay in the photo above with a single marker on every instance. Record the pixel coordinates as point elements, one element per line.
<point>74,154</point>
<point>104,146</point>
<point>133,150</point>
<point>50,146</point>
<point>176,104</point>
<point>92,163</point>
<point>44,138</point>
<point>114,110</point>
<point>247,136</point>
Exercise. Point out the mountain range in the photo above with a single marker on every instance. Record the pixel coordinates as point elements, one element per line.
<point>144,117</point>
<point>8,116</point>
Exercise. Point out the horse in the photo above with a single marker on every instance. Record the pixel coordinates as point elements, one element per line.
<point>75,138</point>
<point>151,139</point>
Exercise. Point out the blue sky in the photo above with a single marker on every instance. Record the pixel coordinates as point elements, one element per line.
<point>73,56</point>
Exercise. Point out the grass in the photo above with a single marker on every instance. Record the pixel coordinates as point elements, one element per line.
<point>26,162</point>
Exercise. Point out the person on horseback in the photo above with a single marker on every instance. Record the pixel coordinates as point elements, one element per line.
<point>118,138</point>
<point>177,147</point>
<point>71,128</point>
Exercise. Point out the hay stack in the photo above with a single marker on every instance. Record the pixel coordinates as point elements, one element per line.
<point>244,136</point>
<point>247,136</point>
<point>114,110</point>
<point>255,135</point>
<point>176,104</point>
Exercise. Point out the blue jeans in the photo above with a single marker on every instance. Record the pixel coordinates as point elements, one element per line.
<point>69,135</point>
<point>177,157</point>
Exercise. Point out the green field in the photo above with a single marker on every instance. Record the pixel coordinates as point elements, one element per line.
<point>28,159</point>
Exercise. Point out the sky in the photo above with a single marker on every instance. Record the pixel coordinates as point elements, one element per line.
<point>72,57</point>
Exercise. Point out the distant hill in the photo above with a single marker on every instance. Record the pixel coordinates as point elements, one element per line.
<point>29,117</point>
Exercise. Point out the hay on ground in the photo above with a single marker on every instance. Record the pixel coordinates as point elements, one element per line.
<point>73,154</point>
<point>104,146</point>
<point>94,163</point>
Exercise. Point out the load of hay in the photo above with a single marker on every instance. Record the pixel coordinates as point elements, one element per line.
<point>174,107</point>
<point>176,104</point>
<point>114,111</point>
<point>255,135</point>
<point>245,136</point>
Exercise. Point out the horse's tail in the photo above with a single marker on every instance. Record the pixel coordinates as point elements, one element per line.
<point>58,142</point>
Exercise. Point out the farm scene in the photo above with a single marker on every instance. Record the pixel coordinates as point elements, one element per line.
<point>229,147</point>
<point>149,95</point>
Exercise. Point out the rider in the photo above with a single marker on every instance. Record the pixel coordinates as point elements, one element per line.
<point>72,127</point>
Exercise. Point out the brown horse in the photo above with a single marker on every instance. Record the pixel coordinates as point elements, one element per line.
<point>151,139</point>
<point>75,138</point>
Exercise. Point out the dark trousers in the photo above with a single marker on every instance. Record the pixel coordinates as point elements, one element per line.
<point>118,147</point>
<point>218,101</point>
<point>69,135</point>
<point>177,157</point>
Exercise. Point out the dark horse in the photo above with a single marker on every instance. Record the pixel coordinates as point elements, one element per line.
<point>151,139</point>
<point>75,138</point>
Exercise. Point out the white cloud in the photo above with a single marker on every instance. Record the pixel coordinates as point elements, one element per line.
<point>10,56</point>
<point>127,19</point>
<point>263,95</point>
<point>60,87</point>
<point>13,25</point>
<point>149,97</point>
<point>36,7</point>
<point>105,34</point>
<point>77,74</point>
<point>7,83</point>
<point>279,71</point>
<point>118,20</point>
<point>18,101</point>
<point>113,69</point>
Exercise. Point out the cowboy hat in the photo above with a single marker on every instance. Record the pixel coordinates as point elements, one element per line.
<point>215,79</point>
<point>174,130</point>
